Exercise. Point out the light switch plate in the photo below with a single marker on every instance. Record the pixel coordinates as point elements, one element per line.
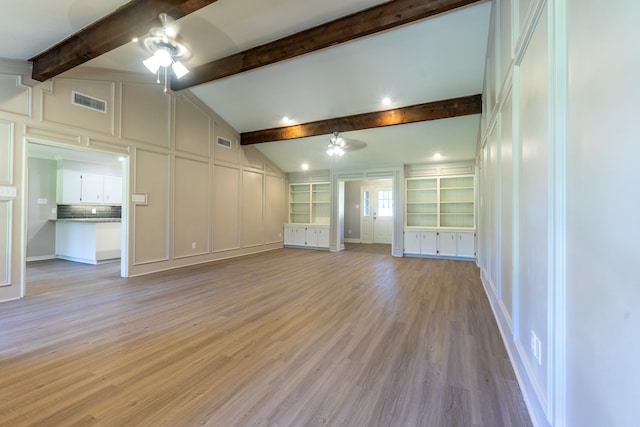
<point>8,191</point>
<point>139,198</point>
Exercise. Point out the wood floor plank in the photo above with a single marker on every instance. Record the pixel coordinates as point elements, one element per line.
<point>288,338</point>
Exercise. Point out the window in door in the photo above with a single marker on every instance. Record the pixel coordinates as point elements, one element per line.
<point>366,203</point>
<point>385,203</point>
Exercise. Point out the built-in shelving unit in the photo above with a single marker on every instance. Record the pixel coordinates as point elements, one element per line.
<point>440,202</point>
<point>457,204</point>
<point>299,204</point>
<point>440,217</point>
<point>422,202</point>
<point>309,210</point>
<point>309,203</point>
<point>320,202</point>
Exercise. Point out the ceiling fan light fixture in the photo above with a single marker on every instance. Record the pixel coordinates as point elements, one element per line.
<point>152,64</point>
<point>166,50</point>
<point>179,69</point>
<point>336,145</point>
<point>163,56</point>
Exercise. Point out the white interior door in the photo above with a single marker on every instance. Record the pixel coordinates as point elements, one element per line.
<point>376,224</point>
<point>382,201</point>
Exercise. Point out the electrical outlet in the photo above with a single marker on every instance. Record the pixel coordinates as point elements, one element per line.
<point>193,245</point>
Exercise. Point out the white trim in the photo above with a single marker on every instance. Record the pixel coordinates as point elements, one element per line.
<point>396,174</point>
<point>557,292</point>
<point>40,258</point>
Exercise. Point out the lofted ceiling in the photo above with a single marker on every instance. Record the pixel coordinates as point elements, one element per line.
<point>432,59</point>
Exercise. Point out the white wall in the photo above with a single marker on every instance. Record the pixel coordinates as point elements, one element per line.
<point>41,233</point>
<point>603,210</point>
<point>200,201</point>
<point>558,204</point>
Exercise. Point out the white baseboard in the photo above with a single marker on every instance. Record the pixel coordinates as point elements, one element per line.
<point>41,258</point>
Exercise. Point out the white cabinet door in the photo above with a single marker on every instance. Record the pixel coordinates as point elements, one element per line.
<point>412,242</point>
<point>92,188</point>
<point>322,237</point>
<point>312,237</point>
<point>300,238</point>
<point>428,242</point>
<point>466,244</point>
<point>112,190</point>
<point>289,235</point>
<point>447,243</point>
<point>69,187</point>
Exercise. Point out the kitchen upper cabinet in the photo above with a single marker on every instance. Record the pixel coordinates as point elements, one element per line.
<point>69,187</point>
<point>75,187</point>
<point>112,190</point>
<point>92,188</point>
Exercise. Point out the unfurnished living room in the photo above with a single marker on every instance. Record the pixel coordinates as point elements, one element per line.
<point>296,213</point>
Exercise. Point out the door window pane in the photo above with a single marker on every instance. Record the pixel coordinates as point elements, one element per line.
<point>385,203</point>
<point>366,205</point>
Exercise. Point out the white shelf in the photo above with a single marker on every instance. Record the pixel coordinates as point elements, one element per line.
<point>309,203</point>
<point>440,202</point>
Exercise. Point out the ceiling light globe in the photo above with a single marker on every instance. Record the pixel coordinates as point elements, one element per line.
<point>163,56</point>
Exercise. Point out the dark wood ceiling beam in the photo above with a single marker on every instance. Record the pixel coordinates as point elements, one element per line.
<point>369,21</point>
<point>456,107</point>
<point>134,19</point>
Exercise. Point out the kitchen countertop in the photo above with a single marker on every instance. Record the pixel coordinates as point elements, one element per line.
<point>88,219</point>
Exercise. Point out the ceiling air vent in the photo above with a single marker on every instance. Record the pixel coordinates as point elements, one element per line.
<point>224,142</point>
<point>89,102</point>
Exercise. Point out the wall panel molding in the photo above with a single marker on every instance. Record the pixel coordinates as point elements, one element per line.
<point>145,113</point>
<point>6,152</point>
<point>6,243</point>
<point>56,104</point>
<point>15,97</point>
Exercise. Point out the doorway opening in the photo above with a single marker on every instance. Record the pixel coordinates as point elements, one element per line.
<point>59,223</point>
<point>368,212</point>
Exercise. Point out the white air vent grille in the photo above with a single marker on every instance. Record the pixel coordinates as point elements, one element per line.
<point>224,142</point>
<point>89,102</point>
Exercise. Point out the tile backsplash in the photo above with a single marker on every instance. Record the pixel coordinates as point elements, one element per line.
<point>85,211</point>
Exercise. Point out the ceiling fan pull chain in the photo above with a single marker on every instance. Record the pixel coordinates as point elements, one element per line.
<point>166,73</point>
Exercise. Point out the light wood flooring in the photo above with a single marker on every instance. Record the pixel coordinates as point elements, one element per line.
<point>290,337</point>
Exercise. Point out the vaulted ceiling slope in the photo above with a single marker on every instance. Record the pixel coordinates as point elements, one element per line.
<point>310,61</point>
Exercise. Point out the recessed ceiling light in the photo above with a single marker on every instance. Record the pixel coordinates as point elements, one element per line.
<point>305,166</point>
<point>286,120</point>
<point>386,101</point>
<point>437,156</point>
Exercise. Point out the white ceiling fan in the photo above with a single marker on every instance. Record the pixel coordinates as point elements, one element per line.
<point>338,145</point>
<point>166,49</point>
